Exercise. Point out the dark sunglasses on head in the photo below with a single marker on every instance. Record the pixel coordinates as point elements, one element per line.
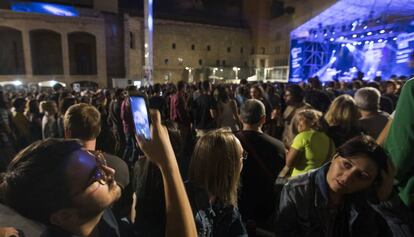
<point>98,174</point>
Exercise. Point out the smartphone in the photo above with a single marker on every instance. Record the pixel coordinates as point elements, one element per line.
<point>140,114</point>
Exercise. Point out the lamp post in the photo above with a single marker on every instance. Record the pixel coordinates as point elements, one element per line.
<point>236,71</point>
<point>148,30</point>
<point>190,75</point>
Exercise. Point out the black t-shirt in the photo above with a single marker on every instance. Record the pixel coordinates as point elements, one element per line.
<point>340,135</point>
<point>201,112</point>
<point>159,103</point>
<point>257,200</point>
<point>318,99</point>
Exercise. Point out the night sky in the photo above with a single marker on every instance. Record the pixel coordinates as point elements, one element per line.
<point>226,12</point>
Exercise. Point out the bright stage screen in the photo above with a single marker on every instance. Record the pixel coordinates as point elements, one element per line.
<point>342,59</point>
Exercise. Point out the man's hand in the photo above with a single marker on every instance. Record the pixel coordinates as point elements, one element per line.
<point>158,149</point>
<point>8,232</point>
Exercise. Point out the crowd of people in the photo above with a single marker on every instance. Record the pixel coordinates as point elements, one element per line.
<point>248,159</point>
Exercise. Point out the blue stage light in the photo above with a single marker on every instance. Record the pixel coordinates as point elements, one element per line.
<point>365,27</point>
<point>369,33</point>
<point>354,36</point>
<point>380,40</point>
<point>395,39</point>
<point>332,39</point>
<point>341,38</point>
<point>44,8</point>
<point>382,31</point>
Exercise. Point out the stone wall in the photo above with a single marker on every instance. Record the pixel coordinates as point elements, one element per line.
<point>26,22</point>
<point>178,45</point>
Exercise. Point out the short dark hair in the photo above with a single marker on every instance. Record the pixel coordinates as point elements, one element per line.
<point>296,92</point>
<point>252,111</point>
<point>157,88</point>
<point>365,145</point>
<point>181,85</point>
<point>205,85</point>
<point>19,103</point>
<point>83,121</point>
<point>65,103</point>
<point>35,184</point>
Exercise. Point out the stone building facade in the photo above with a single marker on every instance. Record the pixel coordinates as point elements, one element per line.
<point>208,51</point>
<point>53,47</point>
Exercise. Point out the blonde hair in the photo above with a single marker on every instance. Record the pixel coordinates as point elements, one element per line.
<point>216,165</point>
<point>343,112</point>
<point>312,116</point>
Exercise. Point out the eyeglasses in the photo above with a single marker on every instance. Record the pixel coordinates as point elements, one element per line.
<point>98,174</point>
<point>245,155</point>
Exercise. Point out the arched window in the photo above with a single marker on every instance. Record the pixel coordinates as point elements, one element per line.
<point>46,51</point>
<point>82,53</point>
<point>11,52</point>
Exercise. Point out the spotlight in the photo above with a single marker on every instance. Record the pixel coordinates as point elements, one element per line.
<point>365,27</point>
<point>17,83</point>
<point>369,33</point>
<point>382,31</point>
<point>362,36</point>
<point>355,43</point>
<point>380,40</point>
<point>395,39</point>
<point>366,42</point>
<point>342,45</point>
<point>332,39</point>
<point>354,36</point>
<point>341,38</point>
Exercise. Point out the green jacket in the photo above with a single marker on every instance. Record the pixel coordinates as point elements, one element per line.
<point>400,143</point>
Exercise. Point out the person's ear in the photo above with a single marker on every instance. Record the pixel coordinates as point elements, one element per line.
<point>262,120</point>
<point>240,118</point>
<point>63,217</point>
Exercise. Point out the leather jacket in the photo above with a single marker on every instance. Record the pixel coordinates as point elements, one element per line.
<point>304,211</point>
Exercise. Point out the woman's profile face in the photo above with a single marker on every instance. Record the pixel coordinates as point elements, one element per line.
<point>302,124</point>
<point>351,174</point>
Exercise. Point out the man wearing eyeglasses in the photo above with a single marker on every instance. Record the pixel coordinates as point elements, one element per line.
<point>69,189</point>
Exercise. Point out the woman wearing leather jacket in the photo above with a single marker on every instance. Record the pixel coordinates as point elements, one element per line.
<point>353,195</point>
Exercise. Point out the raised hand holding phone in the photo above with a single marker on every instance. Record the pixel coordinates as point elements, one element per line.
<point>139,110</point>
<point>158,149</point>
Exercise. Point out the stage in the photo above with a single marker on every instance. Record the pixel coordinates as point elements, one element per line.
<point>376,38</point>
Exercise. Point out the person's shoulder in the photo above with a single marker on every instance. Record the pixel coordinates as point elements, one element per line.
<point>301,182</point>
<point>306,134</point>
<point>271,140</point>
<point>9,217</point>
